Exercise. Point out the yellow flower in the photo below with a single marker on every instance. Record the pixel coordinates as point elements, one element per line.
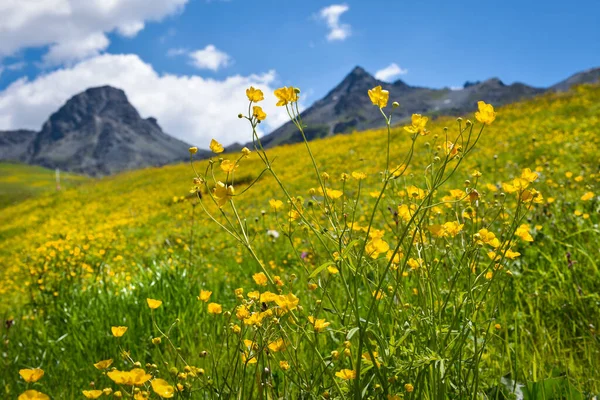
<point>319,325</point>
<point>587,196</point>
<point>418,123</point>
<point>92,394</point>
<point>346,374</point>
<point>204,295</point>
<point>276,205</point>
<point>488,237</point>
<point>216,147</point>
<point>214,308</point>
<point>118,331</point>
<point>153,304</point>
<point>359,175</point>
<point>228,166</point>
<point>486,114</point>
<point>409,387</point>
<point>193,150</point>
<point>246,152</point>
<point>287,302</point>
<point>379,97</point>
<point>222,193</point>
<point>523,232</point>
<point>286,95</point>
<point>260,278</point>
<point>258,112</point>
<point>33,395</point>
<point>284,365</point>
<point>31,375</point>
<point>277,345</point>
<point>135,377</point>
<point>254,95</point>
<point>103,364</point>
<point>162,388</point>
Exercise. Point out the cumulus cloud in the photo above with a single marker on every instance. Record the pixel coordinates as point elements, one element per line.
<point>209,58</point>
<point>331,16</point>
<point>75,29</point>
<point>389,72</point>
<point>189,107</point>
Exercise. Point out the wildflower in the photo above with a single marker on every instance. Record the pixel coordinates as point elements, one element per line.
<point>214,308</point>
<point>284,365</point>
<point>486,114</point>
<point>156,341</point>
<point>162,388</point>
<point>216,147</point>
<point>103,364</point>
<point>346,374</point>
<point>277,345</point>
<point>204,295</point>
<point>258,112</point>
<point>523,232</point>
<point>135,377</point>
<point>33,395</point>
<point>228,166</point>
<point>332,270</point>
<point>359,175</point>
<point>118,331</point>
<point>154,304</point>
<point>319,325</point>
<point>193,150</point>
<point>276,205</point>
<point>587,196</point>
<point>254,95</point>
<point>92,394</point>
<point>286,95</point>
<point>260,278</point>
<point>488,237</point>
<point>498,327</point>
<point>287,302</point>
<point>222,193</point>
<point>409,387</point>
<point>31,375</point>
<point>246,152</point>
<point>417,125</point>
<point>379,97</point>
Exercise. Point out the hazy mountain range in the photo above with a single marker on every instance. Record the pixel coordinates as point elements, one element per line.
<point>98,132</point>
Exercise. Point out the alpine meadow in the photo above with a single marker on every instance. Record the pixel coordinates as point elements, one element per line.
<point>436,257</point>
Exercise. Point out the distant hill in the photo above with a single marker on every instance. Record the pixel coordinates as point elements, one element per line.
<point>347,107</point>
<point>97,132</point>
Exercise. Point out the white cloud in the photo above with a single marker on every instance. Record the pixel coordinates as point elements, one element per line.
<point>64,24</point>
<point>392,70</point>
<point>209,58</point>
<point>331,16</point>
<point>178,51</point>
<point>189,107</point>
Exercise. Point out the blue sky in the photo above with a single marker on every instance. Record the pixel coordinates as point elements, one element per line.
<point>432,43</point>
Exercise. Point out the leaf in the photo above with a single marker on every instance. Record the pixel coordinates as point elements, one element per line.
<point>320,268</point>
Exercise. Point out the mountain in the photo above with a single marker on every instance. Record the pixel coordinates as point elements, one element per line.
<point>588,76</point>
<point>97,132</point>
<point>347,107</point>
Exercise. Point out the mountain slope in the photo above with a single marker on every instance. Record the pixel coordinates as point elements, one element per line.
<point>347,107</point>
<point>97,132</point>
<point>589,76</point>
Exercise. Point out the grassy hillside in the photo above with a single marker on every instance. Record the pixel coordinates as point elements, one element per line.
<point>78,261</point>
<point>19,182</point>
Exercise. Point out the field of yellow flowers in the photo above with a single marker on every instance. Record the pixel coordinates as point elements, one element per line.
<point>432,259</point>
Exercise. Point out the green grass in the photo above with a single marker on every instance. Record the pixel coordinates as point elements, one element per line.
<point>19,182</point>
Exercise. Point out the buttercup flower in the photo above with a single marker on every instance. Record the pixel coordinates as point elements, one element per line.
<point>216,147</point>
<point>254,95</point>
<point>103,364</point>
<point>153,304</point>
<point>258,112</point>
<point>214,308</point>
<point>162,388</point>
<point>135,377</point>
<point>222,193</point>
<point>193,150</point>
<point>260,278</point>
<point>486,114</point>
<point>418,123</point>
<point>379,97</point>
<point>204,295</point>
<point>346,374</point>
<point>92,394</point>
<point>31,375</point>
<point>33,395</point>
<point>118,331</point>
<point>286,95</point>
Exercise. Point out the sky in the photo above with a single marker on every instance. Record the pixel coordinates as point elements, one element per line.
<point>188,62</point>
